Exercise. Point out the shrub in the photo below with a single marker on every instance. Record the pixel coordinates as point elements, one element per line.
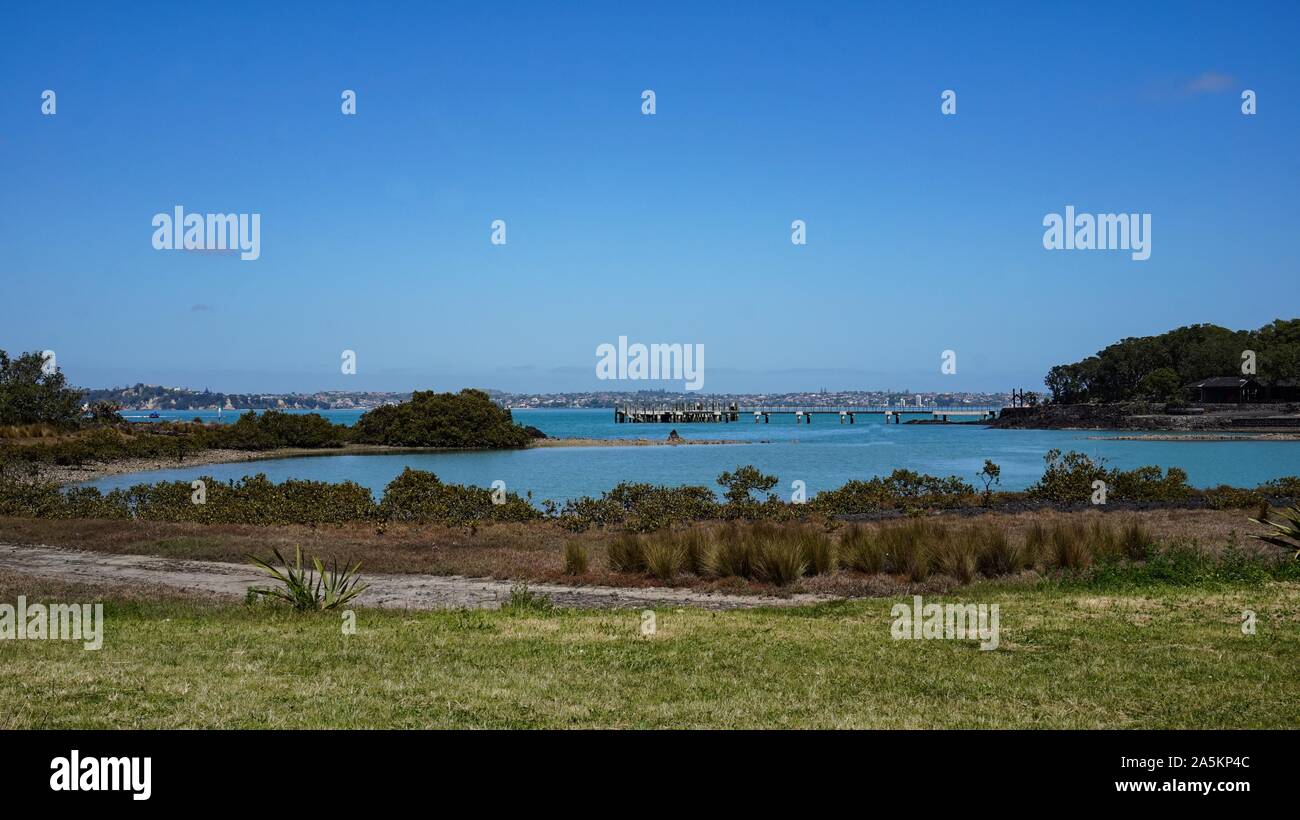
<point>419,496</point>
<point>272,429</point>
<point>639,507</point>
<point>901,489</point>
<point>466,419</point>
<point>1067,478</point>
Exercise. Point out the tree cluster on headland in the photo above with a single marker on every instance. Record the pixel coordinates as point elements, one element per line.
<point>38,409</point>
<point>1158,368</point>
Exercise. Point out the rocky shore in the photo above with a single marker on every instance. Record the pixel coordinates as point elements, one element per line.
<point>1151,416</point>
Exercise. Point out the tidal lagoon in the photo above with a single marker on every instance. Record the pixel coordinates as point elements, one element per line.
<point>824,455</point>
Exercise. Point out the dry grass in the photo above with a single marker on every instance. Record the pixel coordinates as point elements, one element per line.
<point>880,558</point>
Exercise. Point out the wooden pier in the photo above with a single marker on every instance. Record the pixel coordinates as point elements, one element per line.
<point>698,412</point>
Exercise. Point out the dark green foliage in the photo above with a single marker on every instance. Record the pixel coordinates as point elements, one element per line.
<point>465,419</point>
<point>1068,479</point>
<point>1286,529</point>
<point>1158,367</point>
<point>28,395</point>
<point>901,489</point>
<point>309,589</point>
<point>638,507</point>
<point>418,496</point>
<point>273,429</point>
<point>745,481</point>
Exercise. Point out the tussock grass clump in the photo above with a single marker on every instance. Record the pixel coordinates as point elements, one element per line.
<point>862,549</point>
<point>910,547</point>
<point>695,546</point>
<point>819,551</point>
<point>1135,541</point>
<point>915,548</point>
<point>1069,545</point>
<point>730,554</point>
<point>997,554</point>
<point>957,555</point>
<point>777,560</point>
<point>575,558</point>
<point>625,554</point>
<point>665,558</point>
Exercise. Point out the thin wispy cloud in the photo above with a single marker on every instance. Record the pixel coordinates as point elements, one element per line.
<point>1209,82</point>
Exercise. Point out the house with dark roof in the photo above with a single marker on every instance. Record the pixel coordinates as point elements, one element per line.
<point>1225,390</point>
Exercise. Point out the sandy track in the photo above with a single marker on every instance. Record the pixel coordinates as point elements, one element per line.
<point>396,591</point>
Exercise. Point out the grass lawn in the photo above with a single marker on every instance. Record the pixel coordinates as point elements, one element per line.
<point>1073,656</point>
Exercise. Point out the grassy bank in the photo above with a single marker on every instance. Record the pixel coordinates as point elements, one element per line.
<point>1070,656</point>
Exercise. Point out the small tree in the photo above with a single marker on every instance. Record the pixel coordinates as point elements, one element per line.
<point>742,481</point>
<point>105,412</point>
<point>990,475</point>
<point>31,394</point>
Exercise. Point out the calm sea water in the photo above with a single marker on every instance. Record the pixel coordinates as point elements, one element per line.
<point>824,454</point>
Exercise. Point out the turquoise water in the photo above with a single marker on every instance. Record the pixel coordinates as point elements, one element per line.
<point>824,455</point>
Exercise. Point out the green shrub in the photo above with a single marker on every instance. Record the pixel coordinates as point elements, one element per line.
<point>901,489</point>
<point>273,429</point>
<point>466,419</point>
<point>420,497</point>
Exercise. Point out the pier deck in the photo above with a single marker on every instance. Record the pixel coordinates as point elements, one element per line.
<point>702,412</point>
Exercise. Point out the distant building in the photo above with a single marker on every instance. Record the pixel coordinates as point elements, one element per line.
<point>1225,390</point>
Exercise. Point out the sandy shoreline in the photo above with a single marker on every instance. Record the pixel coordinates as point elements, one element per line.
<point>98,470</point>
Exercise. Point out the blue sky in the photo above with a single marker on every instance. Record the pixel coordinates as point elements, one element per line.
<point>924,231</point>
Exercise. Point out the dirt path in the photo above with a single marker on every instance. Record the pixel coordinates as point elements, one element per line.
<point>398,591</point>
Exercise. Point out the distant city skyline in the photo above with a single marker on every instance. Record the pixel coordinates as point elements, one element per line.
<point>375,231</point>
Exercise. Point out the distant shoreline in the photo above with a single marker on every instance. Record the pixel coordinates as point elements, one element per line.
<point>1203,437</point>
<point>632,442</point>
<point>70,475</point>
